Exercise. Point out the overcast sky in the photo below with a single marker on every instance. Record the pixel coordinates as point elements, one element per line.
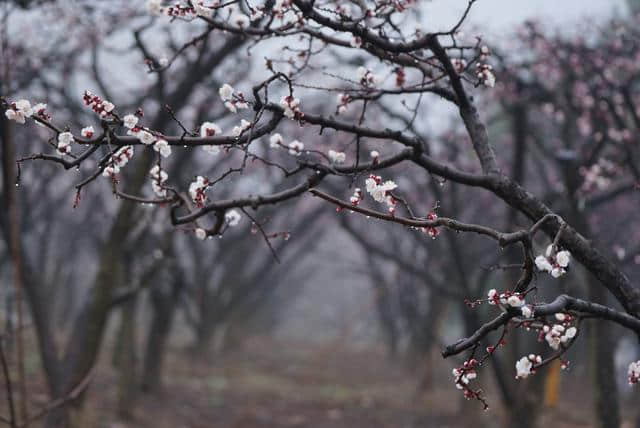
<point>502,14</point>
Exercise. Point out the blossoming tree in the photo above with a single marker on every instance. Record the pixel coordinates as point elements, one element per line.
<point>384,70</point>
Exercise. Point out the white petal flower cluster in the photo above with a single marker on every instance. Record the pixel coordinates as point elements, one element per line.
<point>118,160</point>
<point>378,189</point>
<point>87,132</point>
<point>337,157</point>
<point>232,217</point>
<point>343,103</point>
<point>210,129</point>
<point>290,105</point>
<point>463,377</point>
<point>558,334</point>
<point>100,106</point>
<point>233,104</point>
<point>486,76</point>
<point>162,146</point>
<point>158,177</point>
<point>634,372</point>
<point>508,299</point>
<point>201,233</point>
<point>64,143</point>
<point>197,191</point>
<point>130,121</point>
<point>554,263</point>
<point>276,141</point>
<point>525,366</point>
<point>296,148</point>
<point>19,110</point>
<point>356,197</point>
<point>238,130</point>
<point>366,77</point>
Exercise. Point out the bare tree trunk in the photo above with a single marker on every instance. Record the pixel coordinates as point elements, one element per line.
<point>12,207</point>
<point>127,359</point>
<point>602,345</point>
<point>164,304</point>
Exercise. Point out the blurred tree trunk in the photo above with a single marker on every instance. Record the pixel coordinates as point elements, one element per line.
<point>127,360</point>
<point>163,307</point>
<point>602,345</point>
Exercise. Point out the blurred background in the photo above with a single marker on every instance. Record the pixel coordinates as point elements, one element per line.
<point>347,329</point>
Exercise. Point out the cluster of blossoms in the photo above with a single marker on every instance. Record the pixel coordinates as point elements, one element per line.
<point>233,100</point>
<point>210,129</point>
<point>291,106</point>
<point>431,231</point>
<point>343,103</point>
<point>145,137</point>
<point>381,191</point>
<point>366,77</point>
<point>197,191</point>
<point>337,157</point>
<point>64,143</point>
<point>117,161</point>
<point>276,141</point>
<point>485,75</point>
<point>598,176</point>
<point>87,132</point>
<point>97,104</point>
<point>295,147</point>
<point>525,366</point>
<point>634,372</point>
<point>158,177</point>
<point>232,217</point>
<point>375,156</point>
<point>356,197</point>
<point>509,299</point>
<point>20,110</point>
<point>238,130</point>
<point>462,375</point>
<point>555,263</point>
<point>560,333</point>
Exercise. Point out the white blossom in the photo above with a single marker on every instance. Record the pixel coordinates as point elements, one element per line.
<point>226,92</point>
<point>276,141</point>
<point>238,130</point>
<point>232,217</point>
<point>19,111</point>
<point>87,132</point>
<point>527,311</point>
<point>200,233</point>
<point>146,137</point>
<point>130,121</point>
<point>64,143</point>
<point>163,147</point>
<point>337,157</point>
<point>562,258</point>
<point>515,301</point>
<point>634,372</point>
<point>296,148</point>
<point>197,190</point>
<point>209,129</point>
<point>492,296</point>
<point>524,366</point>
<point>154,7</point>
